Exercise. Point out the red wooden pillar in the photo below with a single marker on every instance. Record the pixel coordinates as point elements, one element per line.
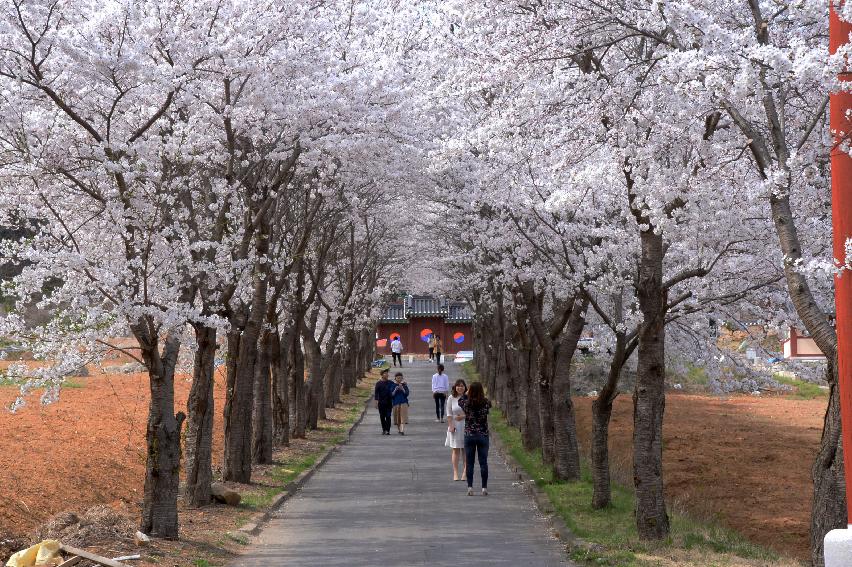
<point>794,342</point>
<point>841,212</point>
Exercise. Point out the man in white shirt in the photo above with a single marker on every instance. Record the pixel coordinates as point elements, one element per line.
<point>440,388</point>
<point>396,351</point>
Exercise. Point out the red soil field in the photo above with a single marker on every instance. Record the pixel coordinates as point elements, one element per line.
<point>88,448</point>
<point>745,461</point>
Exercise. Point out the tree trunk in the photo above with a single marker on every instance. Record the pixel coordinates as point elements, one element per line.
<point>829,504</point>
<point>298,394</point>
<point>280,390</point>
<point>350,348</point>
<point>199,424</point>
<point>652,521</point>
<point>531,432</point>
<point>313,385</point>
<point>566,447</point>
<point>545,405</point>
<point>368,348</point>
<point>601,417</point>
<point>162,436</point>
<point>331,382</point>
<point>513,393</point>
<point>601,482</point>
<point>261,449</point>
<point>238,409</point>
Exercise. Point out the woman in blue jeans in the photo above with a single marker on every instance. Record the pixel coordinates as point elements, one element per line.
<point>476,406</point>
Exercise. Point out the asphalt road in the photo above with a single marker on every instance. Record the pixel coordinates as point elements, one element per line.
<point>391,501</point>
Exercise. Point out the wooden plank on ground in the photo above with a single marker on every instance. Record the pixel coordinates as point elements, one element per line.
<point>107,562</point>
<point>69,562</point>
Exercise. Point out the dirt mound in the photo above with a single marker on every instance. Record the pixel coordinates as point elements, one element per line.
<point>99,524</point>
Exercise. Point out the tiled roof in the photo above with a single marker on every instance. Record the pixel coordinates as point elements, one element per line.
<point>394,312</point>
<point>425,306</point>
<point>459,312</point>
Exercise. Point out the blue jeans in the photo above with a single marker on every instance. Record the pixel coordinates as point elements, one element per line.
<point>476,445</point>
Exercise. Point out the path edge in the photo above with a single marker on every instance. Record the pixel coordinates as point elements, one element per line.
<point>254,526</point>
<point>558,527</point>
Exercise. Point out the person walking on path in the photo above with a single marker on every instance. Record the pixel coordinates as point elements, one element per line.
<point>476,406</point>
<point>455,428</point>
<point>383,394</point>
<point>432,347</point>
<point>440,389</point>
<point>400,403</point>
<point>438,349</point>
<point>396,351</point>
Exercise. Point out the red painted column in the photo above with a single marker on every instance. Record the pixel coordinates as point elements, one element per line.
<point>841,212</point>
<point>794,342</point>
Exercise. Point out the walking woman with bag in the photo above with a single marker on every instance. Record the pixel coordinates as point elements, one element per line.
<point>455,428</point>
<point>476,406</point>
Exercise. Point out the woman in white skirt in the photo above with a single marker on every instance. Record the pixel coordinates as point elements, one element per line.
<point>455,428</point>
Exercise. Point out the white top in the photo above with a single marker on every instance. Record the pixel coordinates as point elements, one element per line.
<point>396,346</point>
<point>440,383</point>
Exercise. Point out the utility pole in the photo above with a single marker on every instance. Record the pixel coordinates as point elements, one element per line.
<point>838,543</point>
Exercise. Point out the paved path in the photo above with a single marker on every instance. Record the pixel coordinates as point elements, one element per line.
<point>390,501</point>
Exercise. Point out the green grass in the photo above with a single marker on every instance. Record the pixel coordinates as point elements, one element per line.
<point>239,538</point>
<point>201,563</point>
<point>697,376</point>
<point>613,529</point>
<point>801,390</point>
<point>286,472</point>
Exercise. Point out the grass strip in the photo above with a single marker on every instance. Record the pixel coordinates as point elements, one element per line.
<point>612,530</point>
<point>801,390</point>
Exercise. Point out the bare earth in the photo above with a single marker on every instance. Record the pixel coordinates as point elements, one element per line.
<point>86,449</point>
<point>744,460</point>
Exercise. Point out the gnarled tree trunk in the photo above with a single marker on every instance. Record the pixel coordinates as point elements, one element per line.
<point>601,416</point>
<point>331,381</point>
<point>280,389</point>
<point>544,380</point>
<point>199,423</point>
<point>261,448</point>
<point>240,395</point>
<point>298,393</point>
<point>566,447</point>
<point>829,505</point>
<point>162,436</point>
<point>531,432</point>
<point>314,383</point>
<point>649,402</point>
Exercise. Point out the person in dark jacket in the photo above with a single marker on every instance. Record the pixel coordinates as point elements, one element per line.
<point>383,395</point>
<point>400,403</point>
